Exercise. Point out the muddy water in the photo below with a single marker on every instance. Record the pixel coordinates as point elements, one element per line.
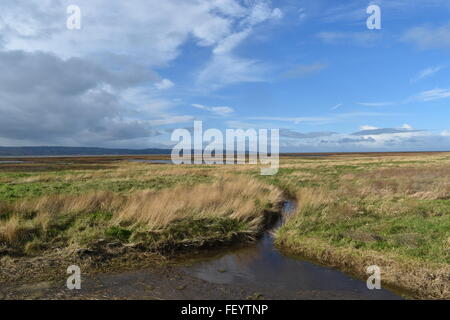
<point>262,268</point>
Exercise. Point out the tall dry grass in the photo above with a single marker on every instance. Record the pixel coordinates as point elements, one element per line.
<point>10,229</point>
<point>425,182</point>
<point>124,171</point>
<point>239,198</point>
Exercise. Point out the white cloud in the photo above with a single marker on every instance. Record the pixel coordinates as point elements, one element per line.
<point>98,84</point>
<point>277,13</point>
<point>325,119</point>
<point>164,84</point>
<point>221,111</point>
<point>295,120</point>
<point>225,67</point>
<point>429,37</point>
<point>148,29</point>
<point>445,133</point>
<point>424,96</point>
<point>428,72</point>
<point>380,139</point>
<point>170,120</point>
<point>261,11</point>
<point>366,127</point>
<point>435,94</point>
<point>229,43</point>
<point>407,127</point>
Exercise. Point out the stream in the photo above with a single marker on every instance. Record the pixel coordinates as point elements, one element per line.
<point>261,266</point>
<point>250,271</point>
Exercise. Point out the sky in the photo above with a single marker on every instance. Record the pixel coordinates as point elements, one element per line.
<point>136,70</point>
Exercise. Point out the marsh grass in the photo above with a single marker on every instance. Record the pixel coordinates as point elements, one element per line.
<point>124,180</point>
<point>392,210</point>
<point>394,214</point>
<point>222,210</point>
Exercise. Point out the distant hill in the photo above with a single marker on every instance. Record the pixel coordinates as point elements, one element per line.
<point>74,151</point>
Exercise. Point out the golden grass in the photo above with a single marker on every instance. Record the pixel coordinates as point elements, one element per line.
<point>10,229</point>
<point>240,198</point>
<point>237,198</point>
<point>425,182</point>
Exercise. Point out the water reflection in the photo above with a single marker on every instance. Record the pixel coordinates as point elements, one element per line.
<point>263,266</point>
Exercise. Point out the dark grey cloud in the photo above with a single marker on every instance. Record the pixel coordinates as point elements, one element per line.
<point>383,131</point>
<point>44,98</point>
<point>74,76</point>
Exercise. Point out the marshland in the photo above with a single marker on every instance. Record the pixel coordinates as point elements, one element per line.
<point>116,215</point>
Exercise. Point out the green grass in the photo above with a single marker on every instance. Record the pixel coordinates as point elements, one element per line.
<point>370,216</point>
<point>86,229</point>
<point>37,232</point>
<point>411,235</point>
<point>12,191</point>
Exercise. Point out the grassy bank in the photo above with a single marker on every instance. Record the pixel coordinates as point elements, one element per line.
<point>186,208</point>
<point>393,212</point>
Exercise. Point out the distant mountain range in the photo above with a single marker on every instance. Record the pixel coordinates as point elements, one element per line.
<point>88,151</point>
<point>74,151</point>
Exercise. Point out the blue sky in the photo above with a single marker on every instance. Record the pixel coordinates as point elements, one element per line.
<point>136,70</point>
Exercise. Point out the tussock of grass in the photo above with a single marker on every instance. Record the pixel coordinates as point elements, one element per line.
<point>224,209</point>
<point>237,198</point>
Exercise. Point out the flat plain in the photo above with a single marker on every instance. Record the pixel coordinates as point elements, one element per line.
<point>109,213</point>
